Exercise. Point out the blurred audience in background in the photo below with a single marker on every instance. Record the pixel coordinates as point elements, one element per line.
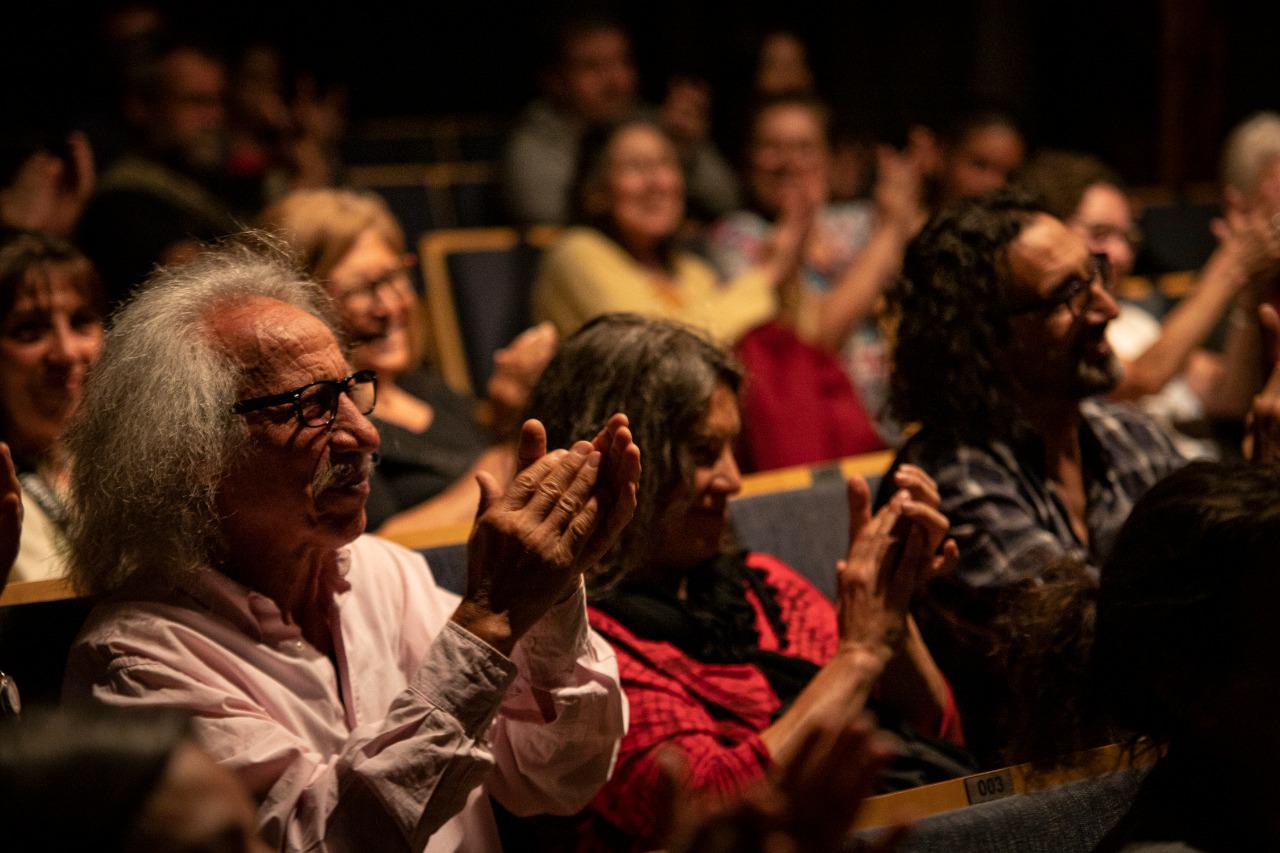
<point>624,253</point>
<point>820,370</point>
<point>590,78</point>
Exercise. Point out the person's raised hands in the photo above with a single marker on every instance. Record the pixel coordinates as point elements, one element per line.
<point>890,555</point>
<point>48,193</point>
<point>899,189</point>
<point>1250,238</point>
<point>530,545</point>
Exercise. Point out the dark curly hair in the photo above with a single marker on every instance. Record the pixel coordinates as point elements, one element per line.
<point>952,303</point>
<point>1185,570</point>
<point>662,375</point>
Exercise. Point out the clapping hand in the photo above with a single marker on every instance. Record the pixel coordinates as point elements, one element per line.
<point>891,555</point>
<point>530,545</point>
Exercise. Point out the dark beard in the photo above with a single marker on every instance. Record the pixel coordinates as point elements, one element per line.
<point>1092,378</point>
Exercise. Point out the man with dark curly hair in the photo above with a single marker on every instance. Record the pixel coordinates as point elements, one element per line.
<point>1001,354</point>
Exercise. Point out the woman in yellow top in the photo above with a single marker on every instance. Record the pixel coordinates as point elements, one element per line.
<point>628,199</point>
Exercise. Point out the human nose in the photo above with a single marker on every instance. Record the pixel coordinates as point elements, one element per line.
<point>62,346</point>
<point>726,478</point>
<point>1102,300</point>
<point>352,430</point>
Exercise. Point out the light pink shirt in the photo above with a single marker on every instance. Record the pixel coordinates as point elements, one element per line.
<point>401,743</point>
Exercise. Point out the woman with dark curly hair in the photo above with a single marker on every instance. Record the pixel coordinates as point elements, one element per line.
<point>726,655</point>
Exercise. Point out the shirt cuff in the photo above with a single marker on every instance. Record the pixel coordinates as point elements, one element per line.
<point>554,644</point>
<point>464,676</point>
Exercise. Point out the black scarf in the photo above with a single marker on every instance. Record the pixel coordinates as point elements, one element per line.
<point>714,622</point>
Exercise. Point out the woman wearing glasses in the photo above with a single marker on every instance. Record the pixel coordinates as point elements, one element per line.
<point>432,440</point>
<point>50,335</point>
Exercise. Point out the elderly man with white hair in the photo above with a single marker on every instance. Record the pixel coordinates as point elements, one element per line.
<point>219,478</point>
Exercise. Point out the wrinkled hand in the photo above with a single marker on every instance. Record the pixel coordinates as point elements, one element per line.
<point>530,546</point>
<point>516,369</point>
<point>47,194</point>
<point>890,556</point>
<point>10,513</point>
<point>686,113</point>
<point>807,804</point>
<point>1262,423</point>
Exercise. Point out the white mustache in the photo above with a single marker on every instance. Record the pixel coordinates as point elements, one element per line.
<point>343,473</point>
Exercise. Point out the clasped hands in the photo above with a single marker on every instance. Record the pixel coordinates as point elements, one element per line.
<point>531,544</point>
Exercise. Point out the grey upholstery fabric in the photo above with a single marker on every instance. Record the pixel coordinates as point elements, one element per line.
<point>448,565</point>
<point>806,528</point>
<point>491,295</point>
<point>1069,818</point>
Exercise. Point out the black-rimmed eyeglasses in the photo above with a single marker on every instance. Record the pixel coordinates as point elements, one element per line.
<point>316,404</point>
<point>1076,292</point>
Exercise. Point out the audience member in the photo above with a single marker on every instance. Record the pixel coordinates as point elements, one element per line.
<point>1185,658</point>
<point>359,703</point>
<point>1001,354</point>
<point>593,80</point>
<point>623,255</point>
<point>97,779</point>
<point>50,335</point>
<point>979,153</point>
<point>278,142</point>
<point>798,407</point>
<point>170,193</point>
<point>1176,382</point>
<point>726,655</point>
<point>432,443</point>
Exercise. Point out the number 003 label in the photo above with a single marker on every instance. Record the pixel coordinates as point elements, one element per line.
<point>989,786</point>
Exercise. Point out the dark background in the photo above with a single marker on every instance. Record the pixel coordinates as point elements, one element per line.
<point>1152,86</point>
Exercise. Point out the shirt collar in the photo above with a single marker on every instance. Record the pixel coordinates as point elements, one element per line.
<point>252,612</point>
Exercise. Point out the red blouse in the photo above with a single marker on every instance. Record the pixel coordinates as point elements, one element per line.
<point>713,713</point>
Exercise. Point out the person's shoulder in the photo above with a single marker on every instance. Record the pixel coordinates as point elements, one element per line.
<point>1120,417</point>
<point>945,456</point>
<point>582,239</point>
<point>540,121</point>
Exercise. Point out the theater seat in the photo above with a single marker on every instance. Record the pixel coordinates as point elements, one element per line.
<point>1069,818</point>
<point>807,528</point>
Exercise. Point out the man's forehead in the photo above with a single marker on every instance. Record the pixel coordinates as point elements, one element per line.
<point>1044,251</point>
<point>270,338</point>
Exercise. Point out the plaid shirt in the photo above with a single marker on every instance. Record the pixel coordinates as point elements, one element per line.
<point>1007,519</point>
<point>712,713</point>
